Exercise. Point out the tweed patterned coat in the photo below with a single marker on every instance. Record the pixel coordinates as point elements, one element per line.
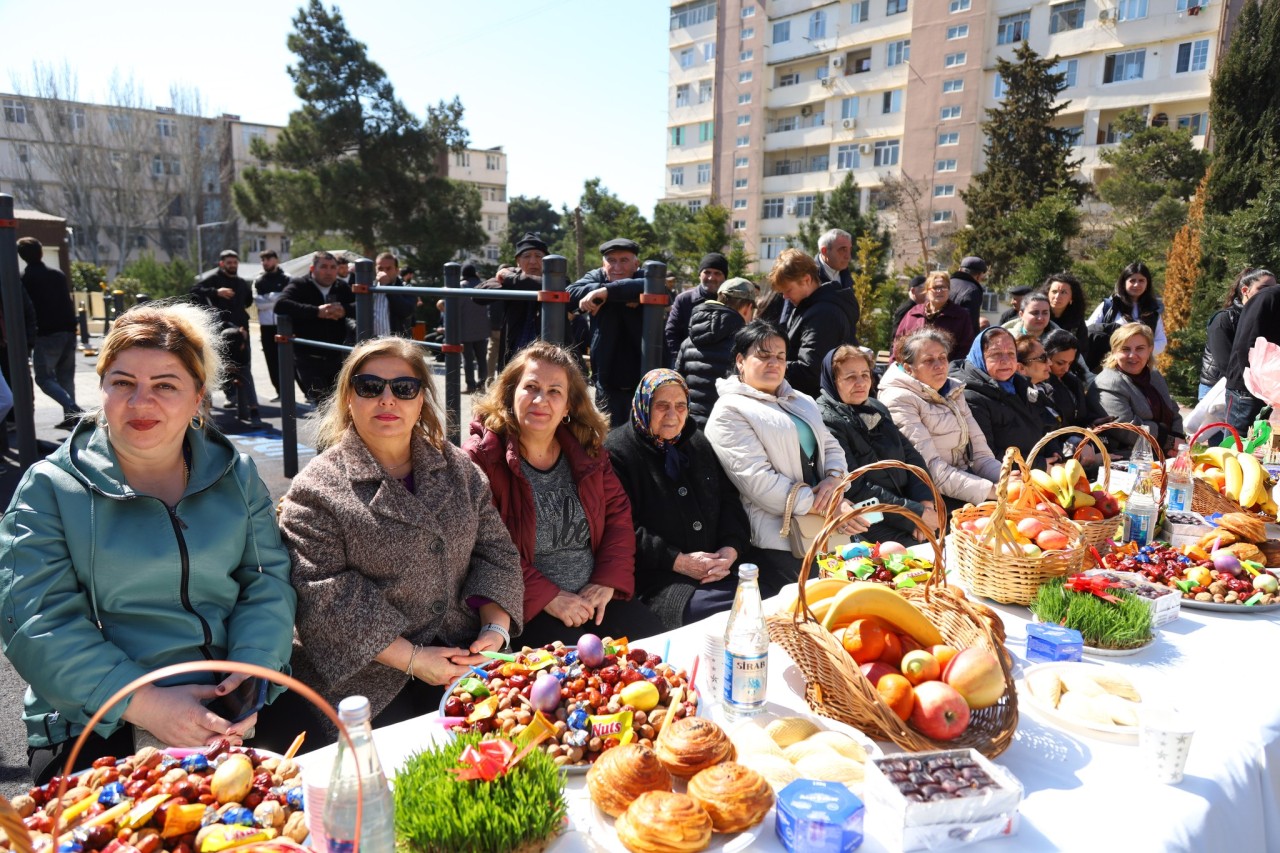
<point>373,562</point>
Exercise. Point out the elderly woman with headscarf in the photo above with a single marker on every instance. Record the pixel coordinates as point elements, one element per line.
<point>691,527</point>
<point>997,395</point>
<point>864,429</point>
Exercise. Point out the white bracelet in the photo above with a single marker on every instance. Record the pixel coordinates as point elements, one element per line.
<point>408,670</point>
<point>500,631</point>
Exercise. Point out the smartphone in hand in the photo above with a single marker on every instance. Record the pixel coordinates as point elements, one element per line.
<point>244,701</point>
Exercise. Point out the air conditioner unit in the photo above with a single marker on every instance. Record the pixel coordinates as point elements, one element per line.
<point>865,148</point>
<point>806,110</point>
<point>827,82</point>
<point>838,62</point>
<point>1104,14</point>
<point>849,123</point>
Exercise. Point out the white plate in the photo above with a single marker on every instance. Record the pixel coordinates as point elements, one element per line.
<point>1074,724</point>
<point>1117,653</point>
<point>1223,607</point>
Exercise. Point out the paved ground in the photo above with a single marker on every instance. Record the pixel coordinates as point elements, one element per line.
<point>263,442</point>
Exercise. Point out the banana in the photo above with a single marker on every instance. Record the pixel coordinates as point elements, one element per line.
<point>1083,499</point>
<point>1235,476</point>
<point>1064,488</point>
<point>1252,487</point>
<point>1074,473</point>
<point>1044,482</point>
<point>1218,456</point>
<point>816,593</point>
<point>863,599</point>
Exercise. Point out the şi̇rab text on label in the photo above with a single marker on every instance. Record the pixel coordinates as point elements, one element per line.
<point>745,680</point>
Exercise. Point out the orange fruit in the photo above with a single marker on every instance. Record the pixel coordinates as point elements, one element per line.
<point>920,666</point>
<point>893,649</point>
<point>863,639</point>
<point>1087,513</point>
<point>897,693</point>
<point>943,654</point>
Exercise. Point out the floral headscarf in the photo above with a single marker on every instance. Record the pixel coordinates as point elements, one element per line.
<point>641,409</point>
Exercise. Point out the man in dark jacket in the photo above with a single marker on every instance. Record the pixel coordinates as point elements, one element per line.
<point>267,288</point>
<point>1260,318</point>
<point>392,312</point>
<point>707,353</point>
<point>915,296</point>
<point>967,289</point>
<point>824,316</point>
<point>474,331</point>
<point>712,272</point>
<point>1016,295</point>
<point>230,295</point>
<point>521,322</point>
<point>53,352</point>
<point>611,295</point>
<point>318,304</point>
<point>835,253</point>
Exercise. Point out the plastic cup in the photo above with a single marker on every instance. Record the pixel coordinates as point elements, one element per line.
<point>1165,739</point>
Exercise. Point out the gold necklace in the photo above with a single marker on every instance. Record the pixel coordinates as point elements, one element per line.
<point>393,468</point>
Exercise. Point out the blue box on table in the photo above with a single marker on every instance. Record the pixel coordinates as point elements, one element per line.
<point>1048,643</point>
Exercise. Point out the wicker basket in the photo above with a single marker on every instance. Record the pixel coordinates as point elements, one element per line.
<point>1207,500</point>
<point>1156,451</point>
<point>982,561</point>
<point>1096,536</point>
<point>835,687</point>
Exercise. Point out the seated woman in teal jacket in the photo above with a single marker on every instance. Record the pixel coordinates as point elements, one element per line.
<point>145,540</point>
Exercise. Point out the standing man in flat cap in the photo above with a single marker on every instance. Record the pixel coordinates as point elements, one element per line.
<point>967,289</point>
<point>1015,303</point>
<point>712,272</point>
<point>521,321</point>
<point>230,295</point>
<point>611,295</point>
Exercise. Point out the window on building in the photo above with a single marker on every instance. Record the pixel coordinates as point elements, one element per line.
<point>748,11</point>
<point>948,113</point>
<point>165,166</point>
<point>891,102</point>
<point>1185,5</point>
<point>847,157</point>
<point>886,153</point>
<point>877,199</point>
<point>677,176</point>
<point>704,173</point>
<point>1067,68</point>
<point>689,14</point>
<point>739,204</point>
<point>744,98</point>
<point>462,158</point>
<point>493,162</point>
<point>739,225</point>
<point>957,32</point>
<point>941,216</point>
<point>686,58</point>
<point>247,134</point>
<point>744,120</point>
<point>771,208</point>
<point>706,131</point>
<point>771,248</point>
<point>709,52</point>
<point>684,95</point>
<point>818,25</point>
<point>895,7</point>
<point>1131,10</point>
<point>1193,56</point>
<point>1074,133</point>
<point>744,76</point>
<point>123,123</point>
<point>945,166</point>
<point>1013,28</point>
<point>74,119</point>
<point>742,141</point>
<point>1196,123</point>
<point>166,127</point>
<point>953,85</point>
<point>857,61</point>
<point>944,190</point>
<point>819,162</point>
<point>677,136</point>
<point>951,138</point>
<point>849,108</point>
<point>739,183</point>
<point>786,123</point>
<point>747,33</point>
<point>781,32</point>
<point>741,162</point>
<point>897,52</point>
<point>1066,16</point>
<point>493,224</point>
<point>955,60</point>
<point>695,205</point>
<point>791,78</point>
<point>211,177</point>
<point>1127,65</point>
<point>861,11</point>
<point>959,6</point>
<point>704,91</point>
<point>14,110</point>
<point>492,253</point>
<point>804,206</point>
<point>24,156</point>
<point>746,55</point>
<point>997,89</point>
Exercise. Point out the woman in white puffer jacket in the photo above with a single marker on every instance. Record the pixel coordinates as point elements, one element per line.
<point>768,437</point>
<point>930,410</point>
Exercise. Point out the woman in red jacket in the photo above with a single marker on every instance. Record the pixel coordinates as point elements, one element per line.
<point>540,440</point>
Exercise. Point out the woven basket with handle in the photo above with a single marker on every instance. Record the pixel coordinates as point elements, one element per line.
<point>1096,535</point>
<point>834,685</point>
<point>1205,498</point>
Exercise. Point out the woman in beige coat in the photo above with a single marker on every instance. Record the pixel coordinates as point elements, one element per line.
<point>931,411</point>
<point>404,570</point>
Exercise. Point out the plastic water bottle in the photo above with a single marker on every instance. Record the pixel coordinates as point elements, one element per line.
<point>1140,460</point>
<point>1140,513</point>
<point>1178,487</point>
<point>377,821</point>
<point>746,649</point>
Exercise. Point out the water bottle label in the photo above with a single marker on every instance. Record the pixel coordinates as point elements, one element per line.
<point>1178,498</point>
<point>745,680</point>
<point>336,846</point>
<point>1137,528</point>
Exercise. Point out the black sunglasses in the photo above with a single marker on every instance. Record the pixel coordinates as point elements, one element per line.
<point>403,387</point>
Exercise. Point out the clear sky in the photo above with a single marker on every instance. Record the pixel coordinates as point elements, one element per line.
<point>572,89</point>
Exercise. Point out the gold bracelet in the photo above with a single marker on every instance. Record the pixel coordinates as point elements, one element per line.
<point>408,670</point>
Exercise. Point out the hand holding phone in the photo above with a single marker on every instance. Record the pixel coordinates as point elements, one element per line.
<point>246,699</point>
<point>870,517</point>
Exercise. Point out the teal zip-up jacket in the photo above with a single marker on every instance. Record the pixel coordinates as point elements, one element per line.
<point>100,585</point>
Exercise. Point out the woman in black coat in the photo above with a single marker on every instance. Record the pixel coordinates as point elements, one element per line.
<point>690,524</point>
<point>1075,402</point>
<point>1222,326</point>
<point>868,434</point>
<point>997,395</point>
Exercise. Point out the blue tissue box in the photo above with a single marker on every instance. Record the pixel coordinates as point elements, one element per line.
<point>1049,643</point>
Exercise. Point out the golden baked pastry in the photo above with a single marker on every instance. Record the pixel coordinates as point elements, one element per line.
<point>1245,551</point>
<point>691,744</point>
<point>736,797</point>
<point>1248,528</point>
<point>663,822</point>
<point>623,773</point>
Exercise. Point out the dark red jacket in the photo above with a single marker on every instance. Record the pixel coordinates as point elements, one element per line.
<point>608,511</point>
<point>952,319</point>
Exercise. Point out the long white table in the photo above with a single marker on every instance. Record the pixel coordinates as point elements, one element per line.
<point>1081,793</point>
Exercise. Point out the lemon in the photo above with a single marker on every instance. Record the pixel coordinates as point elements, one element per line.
<point>640,695</point>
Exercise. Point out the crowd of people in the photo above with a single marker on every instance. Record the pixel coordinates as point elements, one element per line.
<point>625,509</point>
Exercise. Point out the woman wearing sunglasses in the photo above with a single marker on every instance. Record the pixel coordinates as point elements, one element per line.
<point>404,571</point>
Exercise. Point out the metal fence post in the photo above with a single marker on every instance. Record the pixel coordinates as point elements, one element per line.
<point>15,333</point>
<point>653,303</point>
<point>288,394</point>
<point>364,299</point>
<point>554,299</point>
<point>452,350</point>
<point>83,319</point>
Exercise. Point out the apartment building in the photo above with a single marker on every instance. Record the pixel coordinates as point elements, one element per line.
<point>772,102</point>
<point>486,169</point>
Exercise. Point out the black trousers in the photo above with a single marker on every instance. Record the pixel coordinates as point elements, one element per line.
<point>317,375</point>
<point>473,356</point>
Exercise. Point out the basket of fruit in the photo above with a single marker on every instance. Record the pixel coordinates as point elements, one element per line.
<point>1006,548</point>
<point>1157,452</point>
<point>923,668</point>
<point>1229,479</point>
<point>1091,508</point>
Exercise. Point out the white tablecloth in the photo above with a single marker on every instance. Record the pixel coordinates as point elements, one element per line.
<point>1081,793</point>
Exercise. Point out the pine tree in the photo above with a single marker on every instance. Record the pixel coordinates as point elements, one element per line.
<point>1027,159</point>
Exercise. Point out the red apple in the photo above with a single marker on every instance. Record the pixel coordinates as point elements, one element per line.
<point>939,711</point>
<point>976,675</point>
<point>1047,508</point>
<point>1105,503</point>
<point>875,671</point>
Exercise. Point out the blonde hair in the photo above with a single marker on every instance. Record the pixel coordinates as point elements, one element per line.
<point>1124,333</point>
<point>188,332</point>
<point>497,409</point>
<point>335,413</point>
<point>937,275</point>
